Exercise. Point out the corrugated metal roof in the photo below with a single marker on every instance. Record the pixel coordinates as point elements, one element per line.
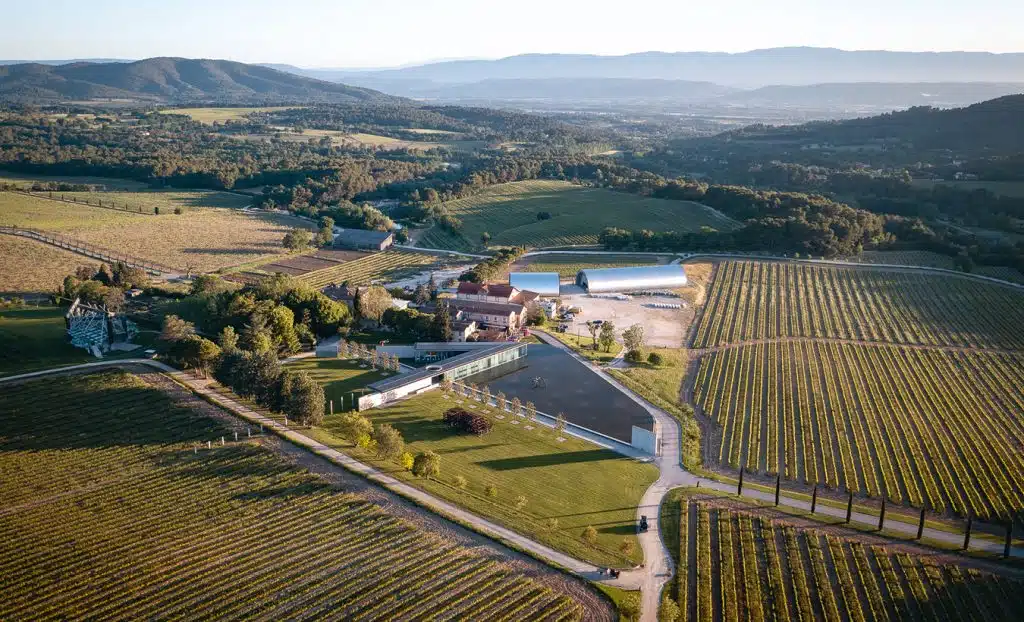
<point>543,283</point>
<point>632,279</point>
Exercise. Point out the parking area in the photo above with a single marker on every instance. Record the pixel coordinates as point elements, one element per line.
<point>662,327</point>
<point>567,386</point>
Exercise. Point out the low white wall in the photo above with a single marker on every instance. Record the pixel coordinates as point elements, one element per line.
<point>644,440</point>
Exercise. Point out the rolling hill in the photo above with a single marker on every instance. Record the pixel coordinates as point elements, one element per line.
<point>992,128</point>
<point>173,80</point>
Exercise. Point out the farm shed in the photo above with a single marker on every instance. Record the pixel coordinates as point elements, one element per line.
<point>637,278</point>
<point>543,283</point>
<point>362,239</point>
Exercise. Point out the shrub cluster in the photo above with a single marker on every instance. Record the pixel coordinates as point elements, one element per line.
<point>467,421</point>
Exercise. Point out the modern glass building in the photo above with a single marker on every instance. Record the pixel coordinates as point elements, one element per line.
<point>543,283</point>
<point>638,278</point>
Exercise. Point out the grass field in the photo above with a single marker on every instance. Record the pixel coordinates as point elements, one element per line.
<point>109,183</point>
<point>584,345</point>
<point>34,338</point>
<point>109,514</point>
<point>574,482</point>
<point>340,378</point>
<point>742,563</point>
<point>387,266</point>
<point>756,300</point>
<point>209,115</point>
<point>509,213</point>
<point>567,266</point>
<point>31,266</point>
<point>926,427</point>
<point>904,258</point>
<point>206,236</point>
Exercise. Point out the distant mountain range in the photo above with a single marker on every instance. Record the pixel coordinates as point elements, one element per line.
<point>792,66</point>
<point>173,80</point>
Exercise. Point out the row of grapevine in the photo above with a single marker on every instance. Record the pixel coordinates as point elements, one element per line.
<point>752,568</point>
<point>112,511</point>
<point>761,300</point>
<point>387,265</point>
<point>932,428</point>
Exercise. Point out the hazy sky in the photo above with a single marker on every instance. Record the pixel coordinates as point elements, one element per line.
<point>376,33</point>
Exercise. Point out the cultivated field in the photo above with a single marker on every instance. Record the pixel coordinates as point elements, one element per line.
<point>209,115</point>
<point>904,258</point>
<point>296,265</point>
<point>31,266</point>
<point>509,213</point>
<point>110,513</point>
<point>387,266</point>
<point>928,427</point>
<point>567,266</point>
<point>573,482</point>
<point>108,183</point>
<point>759,300</point>
<point>206,236</point>
<point>743,563</point>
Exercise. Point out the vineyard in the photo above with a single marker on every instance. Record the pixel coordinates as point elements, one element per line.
<point>509,213</point>
<point>387,266</point>
<point>760,300</point>
<point>739,565</point>
<point>567,266</point>
<point>115,508</point>
<point>932,428</point>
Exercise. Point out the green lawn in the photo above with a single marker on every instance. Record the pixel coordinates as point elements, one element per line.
<point>583,345</point>
<point>108,183</point>
<point>33,338</point>
<point>509,213</point>
<point>662,386</point>
<point>340,378</point>
<point>574,481</point>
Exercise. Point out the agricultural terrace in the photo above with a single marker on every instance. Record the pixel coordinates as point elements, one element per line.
<point>206,236</point>
<point>101,473</point>
<point>933,428</point>
<point>33,338</point>
<point>567,266</point>
<point>762,300</point>
<point>578,215</point>
<point>221,115</point>
<point>573,482</point>
<point>746,563</point>
<point>34,267</point>
<point>387,266</point>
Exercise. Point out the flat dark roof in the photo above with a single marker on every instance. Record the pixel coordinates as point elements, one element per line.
<point>383,386</point>
<point>361,236</point>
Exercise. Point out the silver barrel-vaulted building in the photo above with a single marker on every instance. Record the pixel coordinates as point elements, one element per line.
<point>638,278</point>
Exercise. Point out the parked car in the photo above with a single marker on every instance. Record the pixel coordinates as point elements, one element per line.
<point>643,523</point>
